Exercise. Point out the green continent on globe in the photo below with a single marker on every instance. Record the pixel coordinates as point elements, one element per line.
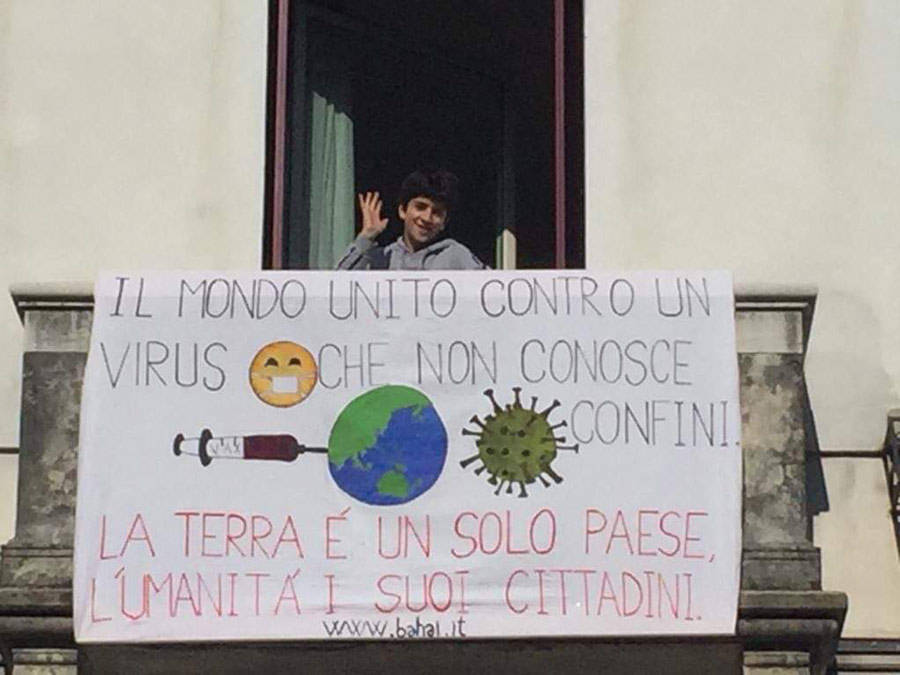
<point>356,428</point>
<point>394,483</point>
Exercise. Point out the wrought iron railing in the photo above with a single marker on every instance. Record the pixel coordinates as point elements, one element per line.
<point>892,469</point>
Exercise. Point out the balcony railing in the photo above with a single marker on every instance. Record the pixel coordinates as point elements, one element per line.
<point>892,469</point>
<point>787,624</point>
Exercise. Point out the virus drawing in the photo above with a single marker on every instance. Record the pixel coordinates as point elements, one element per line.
<point>516,444</point>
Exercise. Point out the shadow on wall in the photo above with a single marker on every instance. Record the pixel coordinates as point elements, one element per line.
<point>849,386</point>
<point>816,489</point>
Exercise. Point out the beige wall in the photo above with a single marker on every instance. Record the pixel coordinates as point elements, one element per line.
<point>858,544</point>
<point>131,136</point>
<point>764,137</point>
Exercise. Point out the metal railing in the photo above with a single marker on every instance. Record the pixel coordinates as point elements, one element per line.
<point>891,460</point>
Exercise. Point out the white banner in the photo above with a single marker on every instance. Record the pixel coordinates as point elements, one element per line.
<point>284,455</point>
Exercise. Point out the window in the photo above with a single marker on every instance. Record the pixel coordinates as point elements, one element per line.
<point>362,92</point>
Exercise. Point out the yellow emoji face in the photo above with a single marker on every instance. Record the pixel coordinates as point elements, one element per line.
<point>283,373</point>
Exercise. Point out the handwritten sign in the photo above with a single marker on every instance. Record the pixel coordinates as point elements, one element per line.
<point>408,455</point>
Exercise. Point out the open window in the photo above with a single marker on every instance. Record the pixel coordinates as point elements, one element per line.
<point>362,92</point>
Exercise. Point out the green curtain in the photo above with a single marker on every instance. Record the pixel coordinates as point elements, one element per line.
<point>330,138</point>
<point>331,185</point>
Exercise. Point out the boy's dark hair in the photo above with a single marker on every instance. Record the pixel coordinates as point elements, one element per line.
<point>439,185</point>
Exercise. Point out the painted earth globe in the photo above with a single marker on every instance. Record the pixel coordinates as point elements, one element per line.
<point>387,446</point>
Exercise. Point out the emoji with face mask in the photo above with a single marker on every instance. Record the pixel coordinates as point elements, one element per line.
<point>283,373</point>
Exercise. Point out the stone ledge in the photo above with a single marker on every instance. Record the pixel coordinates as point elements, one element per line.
<point>46,661</point>
<point>570,656</point>
<point>789,604</point>
<point>776,659</point>
<point>793,621</point>
<point>770,290</point>
<point>817,637</point>
<point>52,296</point>
<point>36,602</point>
<point>781,568</point>
<point>23,632</point>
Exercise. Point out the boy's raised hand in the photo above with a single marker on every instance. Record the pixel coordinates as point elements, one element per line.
<point>372,222</point>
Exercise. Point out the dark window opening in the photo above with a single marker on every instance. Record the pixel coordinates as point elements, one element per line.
<point>362,92</point>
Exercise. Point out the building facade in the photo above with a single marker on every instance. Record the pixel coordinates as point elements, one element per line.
<point>758,137</point>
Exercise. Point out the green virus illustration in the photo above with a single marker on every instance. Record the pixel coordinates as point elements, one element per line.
<point>516,445</point>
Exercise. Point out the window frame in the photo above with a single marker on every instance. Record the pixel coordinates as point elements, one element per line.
<point>568,141</point>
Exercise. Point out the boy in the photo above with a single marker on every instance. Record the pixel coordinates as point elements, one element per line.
<point>426,200</point>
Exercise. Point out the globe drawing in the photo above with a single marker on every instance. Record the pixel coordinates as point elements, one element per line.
<point>387,446</point>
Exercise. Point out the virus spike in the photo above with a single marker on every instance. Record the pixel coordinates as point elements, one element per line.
<point>480,470</point>
<point>522,491</point>
<point>468,460</point>
<point>490,394</point>
<point>543,480</point>
<point>573,448</point>
<point>533,402</point>
<point>509,488</point>
<point>552,407</point>
<point>518,401</point>
<point>492,480</point>
<point>476,420</point>
<point>555,476</point>
<point>499,487</point>
<point>561,424</point>
<point>469,432</point>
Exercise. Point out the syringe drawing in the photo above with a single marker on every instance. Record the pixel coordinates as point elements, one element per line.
<point>271,447</point>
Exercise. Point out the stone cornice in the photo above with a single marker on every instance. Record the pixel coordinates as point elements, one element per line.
<point>53,296</point>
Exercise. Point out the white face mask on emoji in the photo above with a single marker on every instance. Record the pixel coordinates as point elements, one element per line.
<point>285,384</point>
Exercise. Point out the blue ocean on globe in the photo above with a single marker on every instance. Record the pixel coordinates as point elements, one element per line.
<point>388,446</point>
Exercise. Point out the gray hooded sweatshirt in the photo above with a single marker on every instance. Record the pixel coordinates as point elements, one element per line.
<point>444,254</point>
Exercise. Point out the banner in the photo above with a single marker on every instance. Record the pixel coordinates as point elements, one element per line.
<point>315,455</point>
